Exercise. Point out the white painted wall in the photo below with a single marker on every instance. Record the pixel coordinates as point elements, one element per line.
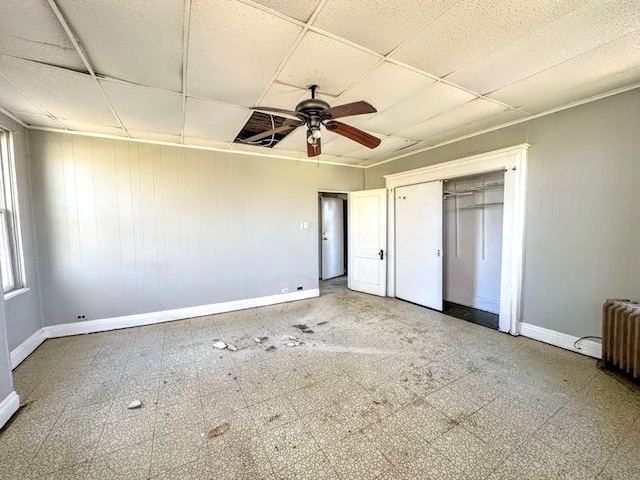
<point>583,207</point>
<point>126,227</point>
<point>473,244</point>
<point>22,313</point>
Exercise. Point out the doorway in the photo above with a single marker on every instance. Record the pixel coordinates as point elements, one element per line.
<point>332,240</point>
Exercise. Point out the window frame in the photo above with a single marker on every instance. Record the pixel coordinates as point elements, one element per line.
<point>11,214</point>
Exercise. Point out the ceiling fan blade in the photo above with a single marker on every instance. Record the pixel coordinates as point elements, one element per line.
<point>348,109</point>
<point>313,150</point>
<point>283,128</point>
<point>353,133</point>
<point>289,113</point>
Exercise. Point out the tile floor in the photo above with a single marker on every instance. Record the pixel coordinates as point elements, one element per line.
<point>381,389</point>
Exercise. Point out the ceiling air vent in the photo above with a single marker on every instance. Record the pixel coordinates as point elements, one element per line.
<point>260,122</point>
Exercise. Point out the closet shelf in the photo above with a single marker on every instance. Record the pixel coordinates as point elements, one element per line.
<point>471,190</point>
<point>482,205</point>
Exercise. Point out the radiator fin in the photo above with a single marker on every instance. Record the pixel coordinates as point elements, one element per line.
<point>621,336</point>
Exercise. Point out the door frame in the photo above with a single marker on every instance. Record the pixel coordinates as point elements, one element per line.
<point>346,231</point>
<point>514,161</point>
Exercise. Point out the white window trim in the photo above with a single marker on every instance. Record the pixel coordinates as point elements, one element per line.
<point>12,204</point>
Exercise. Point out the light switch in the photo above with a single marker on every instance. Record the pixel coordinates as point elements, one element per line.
<point>306,224</point>
<point>301,224</point>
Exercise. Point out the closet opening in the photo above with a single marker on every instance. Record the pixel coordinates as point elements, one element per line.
<point>472,247</point>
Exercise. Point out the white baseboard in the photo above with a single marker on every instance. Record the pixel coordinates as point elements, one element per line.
<point>27,347</point>
<point>562,340</point>
<point>8,407</point>
<point>104,324</point>
<point>23,350</point>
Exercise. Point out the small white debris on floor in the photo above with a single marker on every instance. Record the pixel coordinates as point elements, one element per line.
<point>233,348</point>
<point>220,345</point>
<point>135,404</point>
<point>293,344</point>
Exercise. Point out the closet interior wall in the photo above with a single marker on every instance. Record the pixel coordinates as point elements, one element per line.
<point>473,210</point>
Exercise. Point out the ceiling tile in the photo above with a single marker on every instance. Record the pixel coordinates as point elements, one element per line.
<point>337,145</point>
<point>131,40</point>
<point>587,27</point>
<point>29,29</point>
<point>14,100</point>
<point>92,127</point>
<point>330,64</point>
<point>422,105</point>
<point>394,21</point>
<point>38,120</point>
<point>383,87</point>
<point>387,146</point>
<point>234,50</point>
<point>287,97</point>
<point>296,141</point>
<point>300,9</point>
<point>473,127</point>
<point>143,108</point>
<point>472,29</point>
<point>62,92</point>
<point>451,119</point>
<point>611,66</point>
<point>214,120</point>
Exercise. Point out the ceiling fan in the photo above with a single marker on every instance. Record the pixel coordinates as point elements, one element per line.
<point>315,113</point>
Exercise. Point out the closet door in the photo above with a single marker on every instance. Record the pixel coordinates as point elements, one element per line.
<point>419,244</point>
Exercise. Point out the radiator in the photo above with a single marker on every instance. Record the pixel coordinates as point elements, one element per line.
<point>621,336</point>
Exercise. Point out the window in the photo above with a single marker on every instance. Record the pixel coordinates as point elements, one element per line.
<point>11,262</point>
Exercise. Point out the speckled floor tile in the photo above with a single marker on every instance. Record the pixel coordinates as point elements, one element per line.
<point>397,439</point>
<point>131,462</point>
<point>288,444</point>
<point>431,464</point>
<point>272,413</point>
<point>313,467</point>
<point>176,449</point>
<point>127,432</point>
<point>355,457</point>
<point>537,460</point>
<point>468,453</point>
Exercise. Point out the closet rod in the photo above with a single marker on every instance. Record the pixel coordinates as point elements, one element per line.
<point>482,205</point>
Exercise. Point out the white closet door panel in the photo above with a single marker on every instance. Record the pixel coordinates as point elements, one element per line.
<point>419,244</point>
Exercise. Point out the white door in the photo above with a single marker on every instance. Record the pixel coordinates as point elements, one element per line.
<point>367,270</point>
<point>419,244</point>
<point>332,237</point>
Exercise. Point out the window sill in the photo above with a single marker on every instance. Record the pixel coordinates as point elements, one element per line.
<point>14,293</point>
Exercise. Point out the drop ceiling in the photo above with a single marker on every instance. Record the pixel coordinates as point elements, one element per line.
<point>188,71</point>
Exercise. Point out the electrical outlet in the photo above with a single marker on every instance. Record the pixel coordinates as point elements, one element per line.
<point>285,290</point>
<point>299,288</point>
<point>81,317</point>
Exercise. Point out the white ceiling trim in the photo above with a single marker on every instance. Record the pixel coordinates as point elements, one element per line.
<point>513,122</point>
<point>84,59</point>
<point>184,145</point>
